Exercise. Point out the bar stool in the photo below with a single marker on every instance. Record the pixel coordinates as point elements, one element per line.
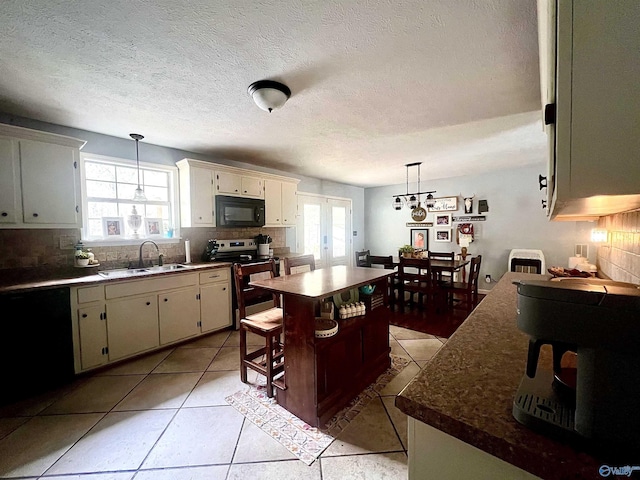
<point>267,324</point>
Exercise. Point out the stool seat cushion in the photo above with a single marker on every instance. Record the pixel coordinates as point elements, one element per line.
<point>266,320</point>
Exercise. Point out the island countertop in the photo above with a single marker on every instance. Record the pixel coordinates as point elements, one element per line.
<point>323,282</point>
<point>468,387</point>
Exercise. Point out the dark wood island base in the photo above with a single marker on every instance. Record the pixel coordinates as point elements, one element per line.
<point>322,375</point>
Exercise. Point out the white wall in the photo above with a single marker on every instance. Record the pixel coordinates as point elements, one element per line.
<point>515,220</point>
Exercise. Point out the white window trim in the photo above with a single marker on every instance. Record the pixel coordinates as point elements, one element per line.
<point>175,196</point>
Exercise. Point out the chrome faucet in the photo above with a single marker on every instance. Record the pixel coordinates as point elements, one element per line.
<point>140,264</point>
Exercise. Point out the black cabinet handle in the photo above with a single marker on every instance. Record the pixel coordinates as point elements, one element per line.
<point>542,179</point>
<point>4,214</point>
<point>35,214</point>
<point>544,204</point>
<point>148,303</point>
<point>166,299</point>
<point>549,113</point>
<point>224,289</point>
<point>84,315</point>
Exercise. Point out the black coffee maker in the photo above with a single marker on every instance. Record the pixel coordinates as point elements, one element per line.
<point>210,251</point>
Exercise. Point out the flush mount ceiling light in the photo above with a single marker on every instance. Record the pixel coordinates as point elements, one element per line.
<point>412,200</point>
<point>269,95</point>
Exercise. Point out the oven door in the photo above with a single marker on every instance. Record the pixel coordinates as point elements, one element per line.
<point>239,212</point>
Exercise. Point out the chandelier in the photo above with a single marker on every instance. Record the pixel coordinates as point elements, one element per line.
<point>413,200</point>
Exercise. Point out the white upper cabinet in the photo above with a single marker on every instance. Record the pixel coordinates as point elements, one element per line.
<point>201,181</point>
<point>197,205</point>
<point>39,179</point>
<point>280,202</point>
<point>590,50</point>
<point>239,185</point>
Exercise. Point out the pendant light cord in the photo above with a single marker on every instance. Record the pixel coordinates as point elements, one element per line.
<point>138,162</point>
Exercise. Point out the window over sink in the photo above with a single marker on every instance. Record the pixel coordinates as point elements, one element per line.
<point>108,186</point>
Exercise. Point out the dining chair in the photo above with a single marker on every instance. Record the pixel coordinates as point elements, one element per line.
<point>267,324</point>
<point>386,262</point>
<point>443,277</point>
<point>415,277</point>
<point>303,263</point>
<point>362,259</point>
<point>469,289</point>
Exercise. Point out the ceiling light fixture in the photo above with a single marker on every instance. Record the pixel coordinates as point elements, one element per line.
<point>269,95</point>
<point>412,200</point>
<point>139,195</point>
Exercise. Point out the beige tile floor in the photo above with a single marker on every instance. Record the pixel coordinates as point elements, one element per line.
<point>163,416</point>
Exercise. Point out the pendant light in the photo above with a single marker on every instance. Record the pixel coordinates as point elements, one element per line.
<point>413,200</point>
<point>139,195</point>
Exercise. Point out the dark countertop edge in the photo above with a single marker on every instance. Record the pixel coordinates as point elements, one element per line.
<point>519,446</point>
<point>95,278</point>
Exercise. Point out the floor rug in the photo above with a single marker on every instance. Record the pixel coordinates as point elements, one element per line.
<point>304,441</point>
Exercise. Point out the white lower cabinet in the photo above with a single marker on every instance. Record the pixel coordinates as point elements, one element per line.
<point>178,314</point>
<point>118,320</point>
<point>132,326</point>
<point>93,336</point>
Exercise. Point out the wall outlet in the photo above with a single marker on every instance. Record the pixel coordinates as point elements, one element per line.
<point>487,278</point>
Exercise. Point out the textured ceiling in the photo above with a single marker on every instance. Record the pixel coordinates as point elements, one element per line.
<point>375,84</point>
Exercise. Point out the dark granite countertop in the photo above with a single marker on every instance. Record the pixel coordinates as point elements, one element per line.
<point>467,391</point>
<point>32,279</point>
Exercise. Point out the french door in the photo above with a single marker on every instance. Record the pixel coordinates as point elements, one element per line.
<point>324,229</point>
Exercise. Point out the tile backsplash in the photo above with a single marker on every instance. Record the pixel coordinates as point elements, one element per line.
<point>51,248</point>
<point>619,258</point>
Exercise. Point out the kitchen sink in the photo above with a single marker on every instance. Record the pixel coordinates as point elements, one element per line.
<point>135,272</point>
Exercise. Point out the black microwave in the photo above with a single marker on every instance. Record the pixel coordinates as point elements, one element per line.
<point>239,212</point>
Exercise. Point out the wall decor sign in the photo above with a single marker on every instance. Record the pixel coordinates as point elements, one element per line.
<point>469,218</point>
<point>418,214</point>
<point>444,204</point>
<point>419,224</point>
<point>442,235</point>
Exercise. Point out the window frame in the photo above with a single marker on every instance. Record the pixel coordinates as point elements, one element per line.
<point>174,196</point>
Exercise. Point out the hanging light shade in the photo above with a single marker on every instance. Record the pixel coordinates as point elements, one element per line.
<point>412,200</point>
<point>269,95</point>
<point>138,195</point>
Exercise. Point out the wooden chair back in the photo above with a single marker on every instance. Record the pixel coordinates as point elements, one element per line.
<point>415,275</point>
<point>474,274</point>
<point>442,255</point>
<point>297,262</point>
<point>362,258</point>
<point>247,294</point>
<point>385,261</point>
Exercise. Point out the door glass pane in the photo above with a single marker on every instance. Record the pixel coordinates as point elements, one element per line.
<point>312,236</point>
<point>338,231</point>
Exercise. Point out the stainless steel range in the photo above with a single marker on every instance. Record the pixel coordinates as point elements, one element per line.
<point>241,250</point>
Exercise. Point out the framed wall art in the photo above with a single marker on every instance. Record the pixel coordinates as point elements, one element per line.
<point>442,220</point>
<point>442,235</point>
<point>153,227</point>
<point>420,238</point>
<point>113,227</point>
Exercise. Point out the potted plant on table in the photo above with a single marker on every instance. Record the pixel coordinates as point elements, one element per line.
<point>82,258</point>
<point>406,251</point>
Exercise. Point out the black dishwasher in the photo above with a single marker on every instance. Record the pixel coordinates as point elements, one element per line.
<point>36,348</point>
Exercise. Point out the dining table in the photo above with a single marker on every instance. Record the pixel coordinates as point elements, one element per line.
<point>439,266</point>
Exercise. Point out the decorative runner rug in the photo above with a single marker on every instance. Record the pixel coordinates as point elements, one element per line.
<point>304,441</point>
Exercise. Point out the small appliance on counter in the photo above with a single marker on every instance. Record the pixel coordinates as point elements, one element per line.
<point>599,320</point>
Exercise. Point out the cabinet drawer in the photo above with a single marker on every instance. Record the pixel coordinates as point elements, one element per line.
<point>90,294</point>
<point>168,282</point>
<point>216,275</point>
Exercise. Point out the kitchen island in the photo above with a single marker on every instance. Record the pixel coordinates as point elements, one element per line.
<point>460,404</point>
<point>322,375</point>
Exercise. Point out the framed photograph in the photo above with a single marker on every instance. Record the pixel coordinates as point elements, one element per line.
<point>420,238</point>
<point>153,227</point>
<point>442,220</point>
<point>113,227</point>
<point>443,235</point>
